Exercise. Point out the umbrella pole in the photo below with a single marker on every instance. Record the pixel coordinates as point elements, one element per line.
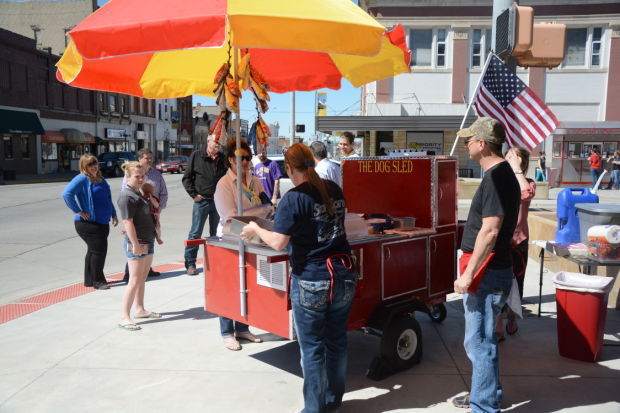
<point>242,284</point>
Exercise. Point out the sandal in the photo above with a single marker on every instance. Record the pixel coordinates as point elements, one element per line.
<point>130,327</point>
<point>232,344</point>
<point>246,335</point>
<point>149,315</point>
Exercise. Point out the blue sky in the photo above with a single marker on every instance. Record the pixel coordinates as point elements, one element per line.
<point>343,102</point>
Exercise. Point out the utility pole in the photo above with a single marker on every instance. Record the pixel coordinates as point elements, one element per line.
<point>292,119</point>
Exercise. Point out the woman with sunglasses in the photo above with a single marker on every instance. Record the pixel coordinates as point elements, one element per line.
<point>88,195</point>
<point>225,198</point>
<point>309,222</point>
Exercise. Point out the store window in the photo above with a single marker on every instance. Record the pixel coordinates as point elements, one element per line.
<point>123,105</point>
<point>49,151</point>
<point>583,47</point>
<point>7,142</point>
<point>24,145</point>
<point>101,102</point>
<point>609,148</point>
<point>557,149</point>
<point>480,46</point>
<point>429,47</point>
<point>159,111</point>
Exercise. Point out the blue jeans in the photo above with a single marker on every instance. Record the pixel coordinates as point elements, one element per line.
<point>540,176</point>
<point>228,327</point>
<point>595,174</point>
<point>615,177</point>
<point>200,211</point>
<point>321,329</point>
<point>481,312</point>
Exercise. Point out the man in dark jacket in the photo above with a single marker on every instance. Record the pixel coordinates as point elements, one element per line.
<point>204,170</point>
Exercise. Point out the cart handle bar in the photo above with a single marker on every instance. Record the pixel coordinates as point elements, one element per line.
<point>194,242</point>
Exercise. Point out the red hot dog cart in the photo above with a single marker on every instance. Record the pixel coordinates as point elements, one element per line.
<point>400,272</point>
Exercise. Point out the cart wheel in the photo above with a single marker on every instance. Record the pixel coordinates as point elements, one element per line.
<point>438,313</point>
<point>401,344</point>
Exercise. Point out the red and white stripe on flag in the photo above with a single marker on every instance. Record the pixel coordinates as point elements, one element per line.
<point>503,96</point>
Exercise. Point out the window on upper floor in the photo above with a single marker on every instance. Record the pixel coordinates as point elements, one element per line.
<point>429,47</point>
<point>480,46</point>
<point>112,103</point>
<point>584,47</point>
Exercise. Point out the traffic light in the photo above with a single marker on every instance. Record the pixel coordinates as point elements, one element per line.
<point>548,48</point>
<point>300,128</point>
<point>513,31</point>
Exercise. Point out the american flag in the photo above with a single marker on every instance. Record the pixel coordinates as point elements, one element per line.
<point>503,96</point>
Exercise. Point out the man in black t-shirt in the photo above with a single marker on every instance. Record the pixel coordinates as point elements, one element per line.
<point>490,225</point>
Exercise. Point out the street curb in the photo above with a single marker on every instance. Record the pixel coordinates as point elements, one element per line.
<point>34,181</point>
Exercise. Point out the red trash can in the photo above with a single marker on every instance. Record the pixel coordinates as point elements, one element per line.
<point>581,312</point>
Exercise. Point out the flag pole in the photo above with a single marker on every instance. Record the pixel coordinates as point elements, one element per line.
<point>471,99</point>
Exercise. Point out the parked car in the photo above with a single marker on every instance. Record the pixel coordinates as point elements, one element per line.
<point>177,163</point>
<point>110,162</point>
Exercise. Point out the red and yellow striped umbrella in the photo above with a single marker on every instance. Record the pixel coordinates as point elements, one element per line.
<point>172,48</point>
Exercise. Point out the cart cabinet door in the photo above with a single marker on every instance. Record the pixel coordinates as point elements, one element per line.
<point>404,267</point>
<point>442,250</point>
<point>446,193</point>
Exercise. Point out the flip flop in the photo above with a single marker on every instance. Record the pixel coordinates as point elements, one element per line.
<point>130,327</point>
<point>232,344</point>
<point>150,315</point>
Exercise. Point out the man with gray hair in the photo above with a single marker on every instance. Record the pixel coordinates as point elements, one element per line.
<point>204,170</point>
<point>324,167</point>
<point>486,263</point>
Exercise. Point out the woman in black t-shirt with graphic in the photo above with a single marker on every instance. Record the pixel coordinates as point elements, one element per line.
<point>309,221</point>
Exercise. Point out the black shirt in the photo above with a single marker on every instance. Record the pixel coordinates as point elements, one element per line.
<point>133,206</point>
<point>203,173</point>
<point>499,194</point>
<point>315,235</point>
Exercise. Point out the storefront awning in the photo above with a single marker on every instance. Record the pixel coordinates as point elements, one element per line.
<point>76,136</point>
<point>588,128</point>
<point>51,136</point>
<point>17,121</point>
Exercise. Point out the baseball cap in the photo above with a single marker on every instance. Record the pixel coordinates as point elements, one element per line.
<point>487,129</point>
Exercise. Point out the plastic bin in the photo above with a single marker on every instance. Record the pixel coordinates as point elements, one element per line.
<point>568,221</point>
<point>582,309</point>
<point>596,214</point>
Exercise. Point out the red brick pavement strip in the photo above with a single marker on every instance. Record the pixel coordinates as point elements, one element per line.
<point>21,308</point>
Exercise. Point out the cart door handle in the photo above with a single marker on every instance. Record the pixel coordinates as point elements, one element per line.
<point>388,252</point>
<point>434,246</point>
<point>440,193</point>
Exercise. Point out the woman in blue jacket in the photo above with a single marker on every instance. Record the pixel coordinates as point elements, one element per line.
<point>89,196</point>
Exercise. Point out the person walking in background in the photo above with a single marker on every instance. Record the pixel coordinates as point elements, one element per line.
<point>325,168</point>
<point>519,159</point>
<point>486,264</point>
<point>204,170</point>
<point>346,145</point>
<point>595,165</point>
<point>541,168</point>
<point>226,203</point>
<point>615,169</point>
<point>88,195</point>
<point>138,244</point>
<point>160,191</point>
<point>269,174</point>
<point>310,223</point>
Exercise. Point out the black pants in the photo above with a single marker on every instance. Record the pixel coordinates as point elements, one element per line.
<point>96,238</point>
<point>519,263</point>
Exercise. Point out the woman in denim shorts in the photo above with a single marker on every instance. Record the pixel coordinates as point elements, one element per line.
<point>309,221</point>
<point>138,243</point>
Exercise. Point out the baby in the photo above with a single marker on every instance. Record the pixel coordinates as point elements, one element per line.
<point>147,192</point>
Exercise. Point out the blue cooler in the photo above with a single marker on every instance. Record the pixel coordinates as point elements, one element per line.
<point>568,220</point>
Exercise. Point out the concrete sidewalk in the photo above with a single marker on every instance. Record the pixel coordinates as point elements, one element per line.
<point>72,357</point>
